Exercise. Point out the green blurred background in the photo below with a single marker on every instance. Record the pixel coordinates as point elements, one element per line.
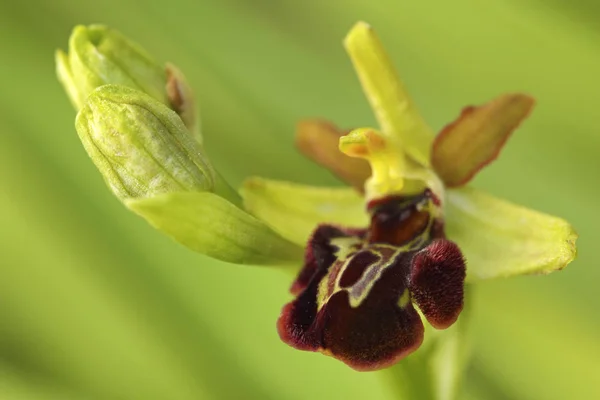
<point>94,304</point>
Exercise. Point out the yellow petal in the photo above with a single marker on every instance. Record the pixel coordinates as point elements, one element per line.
<point>387,162</point>
<point>391,171</point>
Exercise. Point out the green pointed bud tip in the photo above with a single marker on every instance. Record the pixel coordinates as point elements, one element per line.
<point>140,146</point>
<point>98,56</point>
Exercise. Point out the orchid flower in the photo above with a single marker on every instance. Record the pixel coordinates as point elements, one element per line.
<point>414,188</point>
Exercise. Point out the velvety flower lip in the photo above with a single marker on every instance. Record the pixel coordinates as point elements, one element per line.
<point>356,292</point>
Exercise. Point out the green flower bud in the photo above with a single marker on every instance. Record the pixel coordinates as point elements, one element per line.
<point>140,146</point>
<point>99,56</point>
<point>155,167</point>
<point>135,118</point>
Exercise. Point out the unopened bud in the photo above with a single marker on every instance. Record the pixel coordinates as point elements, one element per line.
<point>140,146</point>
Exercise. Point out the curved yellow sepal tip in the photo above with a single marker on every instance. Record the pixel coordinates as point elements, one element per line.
<point>387,163</point>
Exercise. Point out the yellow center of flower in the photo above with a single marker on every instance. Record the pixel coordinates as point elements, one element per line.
<point>393,172</point>
<point>387,164</point>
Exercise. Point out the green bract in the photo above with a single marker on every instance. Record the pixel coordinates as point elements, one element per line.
<point>211,225</point>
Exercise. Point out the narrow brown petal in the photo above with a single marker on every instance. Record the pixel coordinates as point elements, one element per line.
<point>475,139</point>
<point>318,140</point>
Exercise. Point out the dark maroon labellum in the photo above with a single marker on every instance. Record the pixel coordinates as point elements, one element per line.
<point>356,291</point>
